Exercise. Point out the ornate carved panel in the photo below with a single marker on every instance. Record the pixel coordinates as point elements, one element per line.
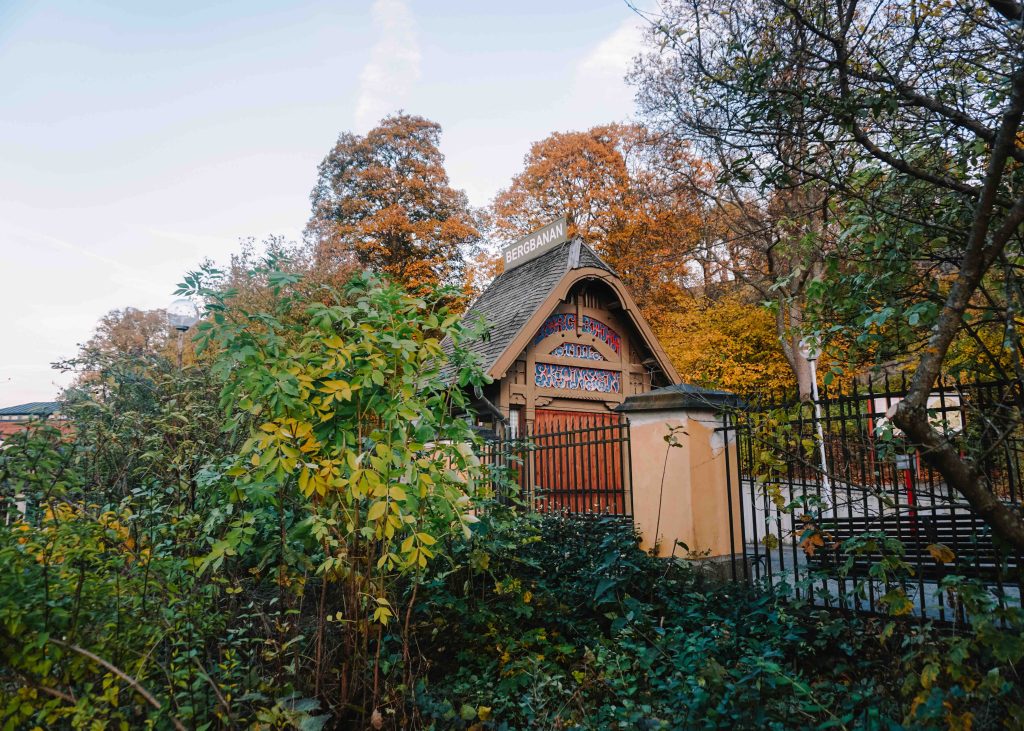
<point>566,321</point>
<point>577,350</point>
<point>549,375</point>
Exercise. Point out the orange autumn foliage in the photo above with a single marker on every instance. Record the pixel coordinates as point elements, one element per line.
<point>610,181</point>
<point>728,344</point>
<point>383,201</point>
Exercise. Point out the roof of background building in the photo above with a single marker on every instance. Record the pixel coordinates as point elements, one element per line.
<point>679,396</point>
<point>33,408</point>
<point>514,296</point>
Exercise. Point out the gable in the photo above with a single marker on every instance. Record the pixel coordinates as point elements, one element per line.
<point>519,303</point>
<point>514,297</point>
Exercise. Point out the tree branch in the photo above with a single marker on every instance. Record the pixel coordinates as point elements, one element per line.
<point>136,686</point>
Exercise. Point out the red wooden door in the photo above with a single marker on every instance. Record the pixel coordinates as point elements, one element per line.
<point>577,461</point>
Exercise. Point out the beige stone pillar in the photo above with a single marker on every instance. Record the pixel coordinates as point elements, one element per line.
<point>682,493</point>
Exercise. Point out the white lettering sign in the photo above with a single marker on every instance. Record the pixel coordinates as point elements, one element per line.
<point>534,244</point>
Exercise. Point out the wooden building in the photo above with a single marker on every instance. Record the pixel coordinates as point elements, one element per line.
<point>566,343</point>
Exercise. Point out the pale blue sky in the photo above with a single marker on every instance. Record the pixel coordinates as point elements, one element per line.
<point>138,137</point>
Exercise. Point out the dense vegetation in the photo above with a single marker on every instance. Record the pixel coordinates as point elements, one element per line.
<point>228,542</point>
<point>291,531</point>
<point>565,624</point>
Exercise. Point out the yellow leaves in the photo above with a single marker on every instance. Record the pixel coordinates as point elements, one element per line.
<point>377,510</point>
<point>419,557</point>
<point>726,342</point>
<point>929,675</point>
<point>394,523</point>
<point>304,482</point>
<point>942,554</point>
<point>279,447</point>
<point>340,390</point>
<point>382,613</point>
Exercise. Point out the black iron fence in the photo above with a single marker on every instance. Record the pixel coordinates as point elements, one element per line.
<point>578,465</point>
<point>834,506</point>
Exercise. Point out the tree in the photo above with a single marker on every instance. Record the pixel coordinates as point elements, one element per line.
<point>767,218</point>
<point>383,202</point>
<point>133,339</point>
<point>725,343</point>
<point>132,332</point>
<point>913,114</point>
<point>610,182</point>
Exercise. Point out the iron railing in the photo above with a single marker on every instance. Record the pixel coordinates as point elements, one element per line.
<point>580,468</point>
<point>869,524</point>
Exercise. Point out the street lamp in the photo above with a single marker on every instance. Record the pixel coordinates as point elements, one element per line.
<point>181,315</point>
<point>809,350</point>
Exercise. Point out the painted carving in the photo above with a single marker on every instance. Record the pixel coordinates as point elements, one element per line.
<point>549,375</point>
<point>577,350</point>
<point>565,321</point>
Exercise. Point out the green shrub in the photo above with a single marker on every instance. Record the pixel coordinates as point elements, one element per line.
<point>562,622</point>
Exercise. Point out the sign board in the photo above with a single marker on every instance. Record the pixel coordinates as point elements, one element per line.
<point>536,243</point>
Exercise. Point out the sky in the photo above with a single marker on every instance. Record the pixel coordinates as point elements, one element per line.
<point>138,138</point>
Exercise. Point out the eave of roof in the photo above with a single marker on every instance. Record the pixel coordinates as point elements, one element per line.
<point>513,297</point>
<point>680,396</point>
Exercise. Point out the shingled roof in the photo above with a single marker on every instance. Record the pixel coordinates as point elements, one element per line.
<point>33,408</point>
<point>514,296</point>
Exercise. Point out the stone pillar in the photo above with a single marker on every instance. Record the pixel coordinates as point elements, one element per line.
<point>682,493</point>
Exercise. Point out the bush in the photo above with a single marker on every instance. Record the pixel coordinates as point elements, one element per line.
<point>562,622</point>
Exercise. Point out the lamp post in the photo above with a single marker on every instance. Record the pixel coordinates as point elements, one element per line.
<point>809,350</point>
<point>181,315</point>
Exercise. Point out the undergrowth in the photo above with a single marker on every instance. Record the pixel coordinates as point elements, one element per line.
<point>562,622</point>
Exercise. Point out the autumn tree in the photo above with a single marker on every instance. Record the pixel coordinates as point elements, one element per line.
<point>768,222</point>
<point>725,343</point>
<point>610,182</point>
<point>913,112</point>
<point>125,335</point>
<point>382,201</point>
<point>131,331</point>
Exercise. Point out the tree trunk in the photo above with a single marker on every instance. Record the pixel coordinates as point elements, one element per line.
<point>788,320</point>
<point>962,475</point>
